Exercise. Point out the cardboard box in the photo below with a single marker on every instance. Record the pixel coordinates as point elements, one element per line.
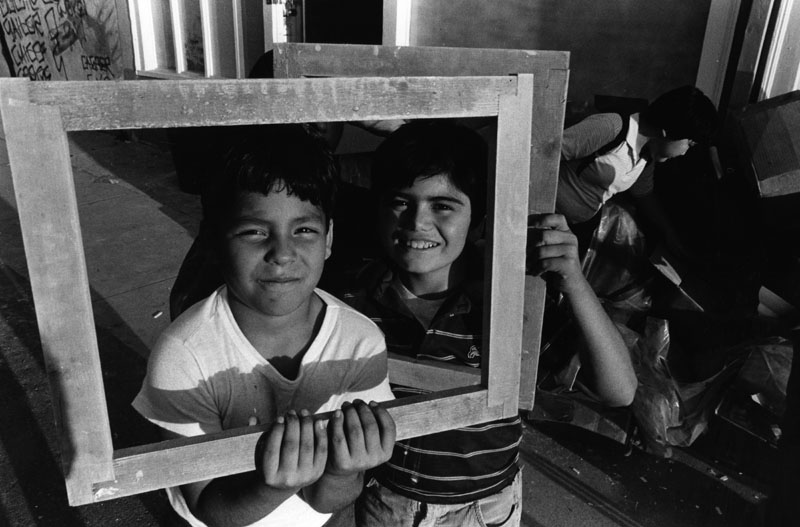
<point>770,138</point>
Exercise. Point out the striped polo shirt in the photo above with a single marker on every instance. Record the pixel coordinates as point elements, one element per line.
<point>454,466</point>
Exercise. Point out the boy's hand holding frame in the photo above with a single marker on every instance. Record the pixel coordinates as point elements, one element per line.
<point>42,113</point>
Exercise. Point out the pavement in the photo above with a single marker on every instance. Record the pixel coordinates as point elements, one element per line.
<point>137,225</point>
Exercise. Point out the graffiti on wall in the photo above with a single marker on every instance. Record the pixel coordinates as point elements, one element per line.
<point>62,39</point>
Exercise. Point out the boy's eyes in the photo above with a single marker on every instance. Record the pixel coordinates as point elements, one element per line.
<point>307,230</point>
<point>397,203</point>
<point>252,233</point>
<point>263,233</point>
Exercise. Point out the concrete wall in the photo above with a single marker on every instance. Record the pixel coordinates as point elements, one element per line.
<point>630,48</point>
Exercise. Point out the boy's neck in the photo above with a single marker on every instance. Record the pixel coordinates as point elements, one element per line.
<point>281,340</point>
<point>436,283</point>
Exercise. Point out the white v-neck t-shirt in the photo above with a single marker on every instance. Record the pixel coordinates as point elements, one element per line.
<point>204,376</point>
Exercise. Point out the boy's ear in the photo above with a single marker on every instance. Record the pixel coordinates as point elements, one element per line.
<point>329,239</point>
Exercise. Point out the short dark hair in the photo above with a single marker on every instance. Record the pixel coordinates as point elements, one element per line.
<point>268,159</point>
<point>428,148</point>
<point>683,113</point>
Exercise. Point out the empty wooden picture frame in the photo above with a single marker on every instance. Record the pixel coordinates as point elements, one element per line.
<point>36,117</point>
<point>551,74</point>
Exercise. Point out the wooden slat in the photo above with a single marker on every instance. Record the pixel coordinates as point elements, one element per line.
<point>548,124</point>
<point>550,69</point>
<point>331,60</point>
<point>722,15</point>
<point>178,17</point>
<point>238,38</point>
<point>87,105</point>
<point>507,212</point>
<point>750,53</point>
<point>219,48</point>
<point>430,375</point>
<point>47,207</point>
<point>175,462</point>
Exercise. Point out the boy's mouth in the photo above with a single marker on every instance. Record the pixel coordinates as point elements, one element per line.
<point>278,280</point>
<point>416,244</point>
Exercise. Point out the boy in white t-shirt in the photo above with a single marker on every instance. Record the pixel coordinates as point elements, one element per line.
<point>269,348</point>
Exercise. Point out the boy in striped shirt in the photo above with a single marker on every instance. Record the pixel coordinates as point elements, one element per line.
<point>429,181</point>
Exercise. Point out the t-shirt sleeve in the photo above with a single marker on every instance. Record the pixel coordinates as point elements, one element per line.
<point>590,135</point>
<point>645,184</point>
<point>175,394</point>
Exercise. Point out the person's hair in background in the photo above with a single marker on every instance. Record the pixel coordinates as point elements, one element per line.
<point>683,113</point>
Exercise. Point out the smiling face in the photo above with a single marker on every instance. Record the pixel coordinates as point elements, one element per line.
<point>423,229</point>
<point>275,248</point>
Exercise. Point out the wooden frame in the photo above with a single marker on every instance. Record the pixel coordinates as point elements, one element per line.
<point>36,117</point>
<point>551,74</point>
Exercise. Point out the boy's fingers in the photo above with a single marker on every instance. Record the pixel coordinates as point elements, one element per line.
<point>271,455</point>
<point>352,427</point>
<point>548,221</point>
<point>321,447</point>
<point>388,429</point>
<point>306,449</point>
<point>291,440</point>
<point>337,440</point>
<point>368,429</point>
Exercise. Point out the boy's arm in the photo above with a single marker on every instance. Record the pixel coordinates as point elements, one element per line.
<point>361,437</point>
<point>553,251</point>
<point>589,135</point>
<point>292,455</point>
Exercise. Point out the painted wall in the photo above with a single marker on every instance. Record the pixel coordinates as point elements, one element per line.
<point>630,48</point>
<point>66,39</point>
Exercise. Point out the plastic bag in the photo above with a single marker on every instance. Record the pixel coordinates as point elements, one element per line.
<point>616,264</point>
<point>765,372</point>
<point>669,412</point>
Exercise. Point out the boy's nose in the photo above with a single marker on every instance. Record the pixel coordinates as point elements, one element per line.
<point>417,218</point>
<point>281,252</point>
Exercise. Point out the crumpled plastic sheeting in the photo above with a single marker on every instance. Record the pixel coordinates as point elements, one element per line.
<point>669,412</point>
<point>616,264</point>
<point>765,372</point>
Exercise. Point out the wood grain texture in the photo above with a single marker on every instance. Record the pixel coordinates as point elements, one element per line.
<point>45,194</point>
<point>33,115</point>
<point>507,213</point>
<point>551,75</point>
<point>147,104</point>
<point>175,462</point>
<point>429,375</point>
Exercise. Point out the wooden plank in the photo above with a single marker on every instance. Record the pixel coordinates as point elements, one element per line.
<point>550,69</point>
<point>239,38</point>
<point>783,63</point>
<point>331,60</point>
<point>717,43</point>
<point>218,38</point>
<point>430,375</point>
<point>146,104</point>
<point>126,41</point>
<point>45,195</point>
<point>153,35</point>
<point>178,17</point>
<point>58,271</point>
<point>749,56</point>
<point>545,157</point>
<point>507,212</point>
<point>389,28</point>
<point>169,463</point>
